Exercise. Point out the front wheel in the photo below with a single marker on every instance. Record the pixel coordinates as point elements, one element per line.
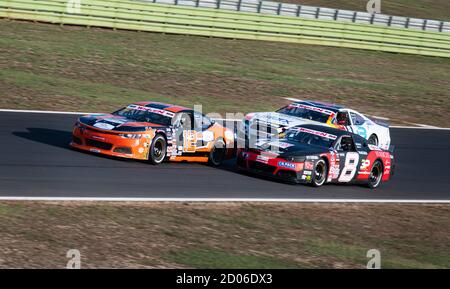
<point>320,173</point>
<point>217,154</point>
<point>376,174</point>
<point>158,150</point>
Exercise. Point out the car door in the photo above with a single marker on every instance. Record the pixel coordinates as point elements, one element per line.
<point>184,134</point>
<point>349,159</point>
<point>192,132</point>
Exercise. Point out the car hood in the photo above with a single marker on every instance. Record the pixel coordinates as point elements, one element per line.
<point>286,148</point>
<point>280,120</point>
<point>115,123</point>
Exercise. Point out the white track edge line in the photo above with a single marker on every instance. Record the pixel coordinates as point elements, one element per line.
<point>212,200</point>
<point>218,119</point>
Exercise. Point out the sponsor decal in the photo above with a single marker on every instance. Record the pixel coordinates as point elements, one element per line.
<point>270,119</point>
<point>362,152</point>
<point>307,173</point>
<point>334,167</point>
<point>318,133</point>
<point>332,156</point>
<point>152,110</point>
<point>309,107</point>
<point>208,136</point>
<point>94,150</point>
<point>286,165</point>
<point>374,147</point>
<point>362,132</point>
<point>365,164</point>
<point>381,154</point>
<point>141,150</point>
<point>334,172</point>
<point>309,166</point>
<point>105,126</point>
<point>114,120</point>
<point>262,159</point>
<point>282,145</point>
<point>312,157</point>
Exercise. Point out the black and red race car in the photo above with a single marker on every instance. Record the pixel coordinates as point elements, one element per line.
<point>316,155</point>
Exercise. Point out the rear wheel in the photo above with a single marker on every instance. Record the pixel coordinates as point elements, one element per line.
<point>373,140</point>
<point>158,150</point>
<point>376,174</point>
<point>320,173</point>
<point>217,154</point>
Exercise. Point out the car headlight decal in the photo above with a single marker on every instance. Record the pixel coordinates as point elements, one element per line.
<point>130,135</point>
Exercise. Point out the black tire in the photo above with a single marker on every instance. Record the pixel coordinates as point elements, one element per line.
<point>217,154</point>
<point>376,174</point>
<point>373,140</point>
<point>158,150</point>
<point>320,173</point>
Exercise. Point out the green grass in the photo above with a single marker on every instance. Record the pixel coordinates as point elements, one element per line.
<point>45,66</point>
<point>426,9</point>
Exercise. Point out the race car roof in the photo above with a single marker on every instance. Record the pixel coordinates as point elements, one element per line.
<point>160,105</point>
<point>324,105</point>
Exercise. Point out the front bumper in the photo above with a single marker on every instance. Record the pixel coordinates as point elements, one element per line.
<point>276,168</point>
<point>110,144</point>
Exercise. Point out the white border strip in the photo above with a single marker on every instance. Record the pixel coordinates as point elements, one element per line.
<point>213,200</point>
<point>420,126</point>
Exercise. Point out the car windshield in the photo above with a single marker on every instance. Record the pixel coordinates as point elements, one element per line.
<point>146,114</point>
<point>307,112</point>
<point>310,137</point>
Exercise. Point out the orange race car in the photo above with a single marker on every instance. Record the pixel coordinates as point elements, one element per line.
<point>155,132</point>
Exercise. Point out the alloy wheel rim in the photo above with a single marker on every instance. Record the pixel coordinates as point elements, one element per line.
<point>158,150</point>
<point>319,173</point>
<point>375,175</point>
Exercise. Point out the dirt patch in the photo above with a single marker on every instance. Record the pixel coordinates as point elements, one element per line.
<point>229,235</point>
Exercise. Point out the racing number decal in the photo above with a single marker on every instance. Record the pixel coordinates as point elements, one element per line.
<point>189,141</point>
<point>350,167</point>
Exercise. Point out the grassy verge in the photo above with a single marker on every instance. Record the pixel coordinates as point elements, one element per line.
<point>45,66</point>
<point>426,9</point>
<point>168,235</point>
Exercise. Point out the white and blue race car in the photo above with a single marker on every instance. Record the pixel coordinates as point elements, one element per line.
<point>313,112</point>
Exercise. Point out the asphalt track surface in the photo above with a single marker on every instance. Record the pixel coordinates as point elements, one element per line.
<point>36,161</point>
